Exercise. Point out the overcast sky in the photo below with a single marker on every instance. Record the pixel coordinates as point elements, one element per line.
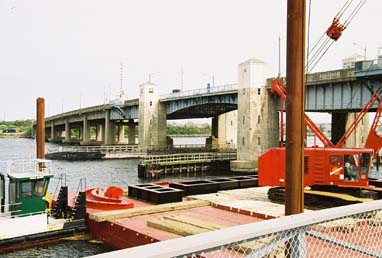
<point>69,52</point>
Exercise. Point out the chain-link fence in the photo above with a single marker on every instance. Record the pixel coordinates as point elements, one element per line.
<point>348,231</point>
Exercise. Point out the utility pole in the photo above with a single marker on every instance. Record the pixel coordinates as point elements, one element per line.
<point>295,101</point>
<point>121,91</point>
<point>279,74</point>
<point>364,48</point>
<point>181,78</point>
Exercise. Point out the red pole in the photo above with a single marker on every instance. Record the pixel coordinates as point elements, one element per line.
<point>40,129</point>
<point>295,101</point>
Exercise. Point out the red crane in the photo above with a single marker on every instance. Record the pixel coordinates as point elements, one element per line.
<point>329,165</point>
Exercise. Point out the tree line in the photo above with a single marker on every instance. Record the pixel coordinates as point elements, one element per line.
<point>22,126</point>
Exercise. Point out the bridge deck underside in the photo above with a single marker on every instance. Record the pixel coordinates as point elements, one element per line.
<point>201,106</point>
<point>350,96</point>
<point>202,111</point>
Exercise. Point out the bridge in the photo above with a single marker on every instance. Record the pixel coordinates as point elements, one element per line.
<point>339,92</point>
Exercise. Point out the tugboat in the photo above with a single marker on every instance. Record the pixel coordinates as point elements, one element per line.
<point>25,216</point>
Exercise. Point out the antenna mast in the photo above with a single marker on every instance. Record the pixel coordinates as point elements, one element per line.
<point>121,91</point>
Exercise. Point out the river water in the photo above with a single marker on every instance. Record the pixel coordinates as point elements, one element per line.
<point>101,173</point>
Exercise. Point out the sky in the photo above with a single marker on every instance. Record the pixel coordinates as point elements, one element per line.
<point>70,52</point>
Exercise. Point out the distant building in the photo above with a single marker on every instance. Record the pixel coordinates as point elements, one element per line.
<point>350,61</point>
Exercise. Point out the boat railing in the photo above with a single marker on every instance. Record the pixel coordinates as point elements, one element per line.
<point>35,166</point>
<point>10,210</point>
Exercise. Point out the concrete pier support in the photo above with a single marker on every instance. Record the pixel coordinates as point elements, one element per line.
<point>68,134</point>
<point>99,133</point>
<point>226,128</point>
<point>109,129</point>
<point>152,117</point>
<point>131,137</point>
<point>358,138</point>
<point>342,121</point>
<point>338,126</point>
<point>121,134</point>
<point>257,116</point>
<point>85,131</point>
<point>52,133</point>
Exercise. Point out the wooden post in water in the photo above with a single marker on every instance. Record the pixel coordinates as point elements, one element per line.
<point>295,101</point>
<point>40,129</point>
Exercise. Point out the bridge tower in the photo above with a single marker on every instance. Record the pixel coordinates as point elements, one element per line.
<point>257,118</point>
<point>152,117</point>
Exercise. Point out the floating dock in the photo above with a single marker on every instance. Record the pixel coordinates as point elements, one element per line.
<point>152,166</point>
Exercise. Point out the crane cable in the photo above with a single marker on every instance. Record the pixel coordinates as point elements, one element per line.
<point>321,47</point>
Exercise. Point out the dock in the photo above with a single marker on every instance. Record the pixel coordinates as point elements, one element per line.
<point>152,166</point>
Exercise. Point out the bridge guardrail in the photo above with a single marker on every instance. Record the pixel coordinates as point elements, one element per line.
<point>102,149</point>
<point>221,88</point>
<point>192,147</point>
<point>152,148</point>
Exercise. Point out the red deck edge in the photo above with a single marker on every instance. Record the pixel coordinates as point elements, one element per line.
<point>118,236</point>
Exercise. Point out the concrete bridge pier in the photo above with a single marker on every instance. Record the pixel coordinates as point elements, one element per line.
<point>110,135</point>
<point>85,131</point>
<point>99,133</point>
<point>152,117</point>
<point>52,133</point>
<point>257,118</point>
<point>68,134</point>
<point>342,121</point>
<point>131,136</point>
<point>214,138</point>
<point>224,129</point>
<point>121,134</point>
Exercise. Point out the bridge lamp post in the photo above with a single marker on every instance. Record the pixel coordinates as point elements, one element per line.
<point>364,48</point>
<point>212,77</point>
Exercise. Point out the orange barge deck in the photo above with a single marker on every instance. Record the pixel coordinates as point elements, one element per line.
<point>134,230</point>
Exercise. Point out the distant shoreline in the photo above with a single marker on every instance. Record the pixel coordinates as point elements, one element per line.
<point>11,136</point>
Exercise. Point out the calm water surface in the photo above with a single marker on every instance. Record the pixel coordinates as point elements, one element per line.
<point>98,174</point>
<point>102,174</point>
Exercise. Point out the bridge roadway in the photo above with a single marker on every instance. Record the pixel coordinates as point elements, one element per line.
<point>337,92</point>
<point>344,90</point>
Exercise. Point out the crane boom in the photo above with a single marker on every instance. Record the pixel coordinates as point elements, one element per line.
<point>279,89</point>
<point>374,139</point>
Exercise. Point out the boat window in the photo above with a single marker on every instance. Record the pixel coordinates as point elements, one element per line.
<point>351,167</point>
<point>336,160</point>
<point>364,163</point>
<point>26,189</point>
<point>14,207</point>
<point>39,188</point>
<point>12,192</point>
